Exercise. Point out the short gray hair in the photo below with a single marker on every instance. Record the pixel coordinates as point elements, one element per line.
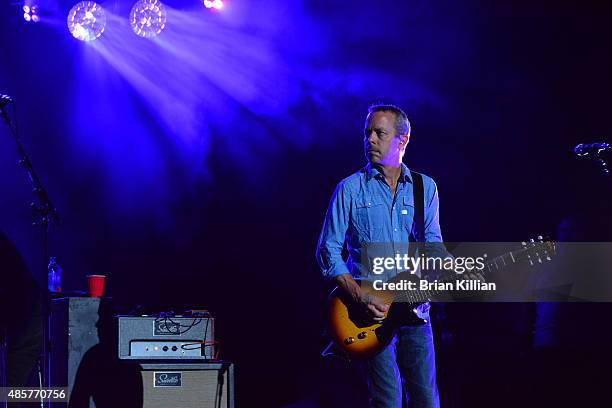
<point>402,124</point>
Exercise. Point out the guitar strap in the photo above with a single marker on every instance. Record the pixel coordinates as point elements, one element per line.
<point>418,222</point>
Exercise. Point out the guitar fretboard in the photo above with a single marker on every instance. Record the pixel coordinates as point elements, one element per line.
<point>493,265</point>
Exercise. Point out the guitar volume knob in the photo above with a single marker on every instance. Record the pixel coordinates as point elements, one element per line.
<point>349,340</point>
<point>362,335</point>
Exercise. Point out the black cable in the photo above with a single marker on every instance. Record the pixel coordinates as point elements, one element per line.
<point>166,318</point>
<point>195,322</point>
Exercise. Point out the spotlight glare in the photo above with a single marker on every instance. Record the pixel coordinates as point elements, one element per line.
<point>216,4</point>
<point>86,21</point>
<point>148,18</point>
<point>30,11</point>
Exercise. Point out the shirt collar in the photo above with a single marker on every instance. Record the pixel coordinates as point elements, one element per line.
<point>372,172</point>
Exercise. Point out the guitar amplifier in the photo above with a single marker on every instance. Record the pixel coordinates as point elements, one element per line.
<point>181,384</point>
<point>188,385</point>
<point>161,338</point>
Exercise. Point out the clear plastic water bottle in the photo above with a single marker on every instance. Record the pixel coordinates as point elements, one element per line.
<point>54,276</point>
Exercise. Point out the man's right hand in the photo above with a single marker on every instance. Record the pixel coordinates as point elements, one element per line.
<point>373,306</point>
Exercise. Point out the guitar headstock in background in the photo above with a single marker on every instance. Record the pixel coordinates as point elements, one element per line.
<point>538,250</point>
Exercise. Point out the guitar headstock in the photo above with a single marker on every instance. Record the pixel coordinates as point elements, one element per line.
<point>539,250</point>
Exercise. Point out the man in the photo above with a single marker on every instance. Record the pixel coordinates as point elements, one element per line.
<point>376,205</point>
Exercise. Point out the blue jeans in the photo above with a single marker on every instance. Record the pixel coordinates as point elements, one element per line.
<point>409,357</point>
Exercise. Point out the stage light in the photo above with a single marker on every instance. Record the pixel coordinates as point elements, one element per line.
<point>86,20</point>
<point>148,18</point>
<point>30,13</point>
<point>216,4</point>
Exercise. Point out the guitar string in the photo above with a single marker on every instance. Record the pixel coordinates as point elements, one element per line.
<point>422,296</point>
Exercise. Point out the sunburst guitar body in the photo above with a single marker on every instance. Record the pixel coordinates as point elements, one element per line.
<point>355,333</point>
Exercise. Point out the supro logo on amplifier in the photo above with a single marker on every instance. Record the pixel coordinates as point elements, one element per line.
<point>167,379</point>
<point>166,328</point>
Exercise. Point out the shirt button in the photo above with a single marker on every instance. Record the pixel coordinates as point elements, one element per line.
<point>394,229</point>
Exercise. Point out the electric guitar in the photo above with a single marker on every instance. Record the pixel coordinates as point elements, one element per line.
<point>359,337</point>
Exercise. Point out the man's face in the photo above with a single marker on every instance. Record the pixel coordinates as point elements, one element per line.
<point>380,141</point>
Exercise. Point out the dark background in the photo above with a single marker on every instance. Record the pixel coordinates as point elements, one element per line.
<point>222,209</point>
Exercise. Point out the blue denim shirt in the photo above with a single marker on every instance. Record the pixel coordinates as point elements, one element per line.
<point>363,212</point>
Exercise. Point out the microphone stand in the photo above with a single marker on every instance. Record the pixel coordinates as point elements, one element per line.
<point>44,214</point>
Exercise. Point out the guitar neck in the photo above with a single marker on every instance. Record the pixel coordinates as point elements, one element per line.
<point>493,265</point>
<point>510,258</point>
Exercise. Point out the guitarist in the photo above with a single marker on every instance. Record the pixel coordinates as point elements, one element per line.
<point>377,205</point>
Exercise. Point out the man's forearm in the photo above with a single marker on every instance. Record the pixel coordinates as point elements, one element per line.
<point>350,286</point>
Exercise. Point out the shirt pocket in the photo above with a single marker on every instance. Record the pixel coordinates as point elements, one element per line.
<point>407,213</point>
<point>370,216</point>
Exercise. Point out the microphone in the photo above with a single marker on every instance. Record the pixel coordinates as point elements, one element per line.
<point>5,100</point>
<point>590,149</point>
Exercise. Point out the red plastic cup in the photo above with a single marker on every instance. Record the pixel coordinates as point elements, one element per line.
<point>96,285</point>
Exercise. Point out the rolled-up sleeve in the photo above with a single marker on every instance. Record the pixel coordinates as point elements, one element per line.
<point>331,240</point>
